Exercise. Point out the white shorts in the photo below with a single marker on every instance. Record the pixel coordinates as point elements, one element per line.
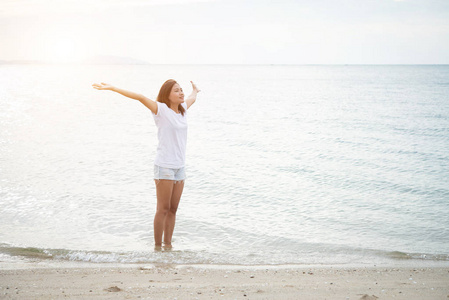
<point>169,173</point>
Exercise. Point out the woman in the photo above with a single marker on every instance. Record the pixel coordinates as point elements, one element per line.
<point>169,112</point>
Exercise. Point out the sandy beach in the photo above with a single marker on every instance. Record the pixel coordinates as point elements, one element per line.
<point>225,282</point>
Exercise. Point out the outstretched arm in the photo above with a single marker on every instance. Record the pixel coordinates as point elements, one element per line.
<point>192,97</point>
<point>152,105</point>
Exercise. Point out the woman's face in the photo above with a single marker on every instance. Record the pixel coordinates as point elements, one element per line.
<point>176,94</point>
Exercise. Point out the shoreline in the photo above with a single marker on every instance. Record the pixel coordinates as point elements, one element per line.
<point>34,265</point>
<point>170,281</point>
<point>20,263</point>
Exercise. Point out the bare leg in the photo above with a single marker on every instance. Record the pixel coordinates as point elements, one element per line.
<point>164,191</point>
<point>170,218</point>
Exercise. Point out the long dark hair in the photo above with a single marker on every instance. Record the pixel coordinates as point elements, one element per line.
<point>165,91</point>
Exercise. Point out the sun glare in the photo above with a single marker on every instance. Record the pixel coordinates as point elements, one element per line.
<point>63,50</point>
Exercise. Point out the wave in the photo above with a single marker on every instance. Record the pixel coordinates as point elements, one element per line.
<point>203,257</point>
<point>421,256</point>
<point>165,256</point>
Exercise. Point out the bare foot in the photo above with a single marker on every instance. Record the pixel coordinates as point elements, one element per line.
<point>157,248</point>
<point>167,246</point>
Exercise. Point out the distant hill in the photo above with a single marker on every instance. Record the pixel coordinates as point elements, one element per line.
<point>113,60</point>
<point>19,62</point>
<point>95,60</point>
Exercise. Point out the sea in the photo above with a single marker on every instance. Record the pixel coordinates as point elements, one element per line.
<point>286,165</point>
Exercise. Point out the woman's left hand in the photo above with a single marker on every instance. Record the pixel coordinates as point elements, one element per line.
<point>194,87</point>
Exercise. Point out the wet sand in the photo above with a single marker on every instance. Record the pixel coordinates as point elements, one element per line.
<point>232,282</point>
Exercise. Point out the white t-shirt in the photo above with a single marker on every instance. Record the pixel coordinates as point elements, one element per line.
<point>172,135</point>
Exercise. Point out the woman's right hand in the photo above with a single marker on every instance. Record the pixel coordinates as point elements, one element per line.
<point>103,86</point>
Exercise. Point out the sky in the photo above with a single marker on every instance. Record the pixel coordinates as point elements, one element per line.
<point>228,31</point>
